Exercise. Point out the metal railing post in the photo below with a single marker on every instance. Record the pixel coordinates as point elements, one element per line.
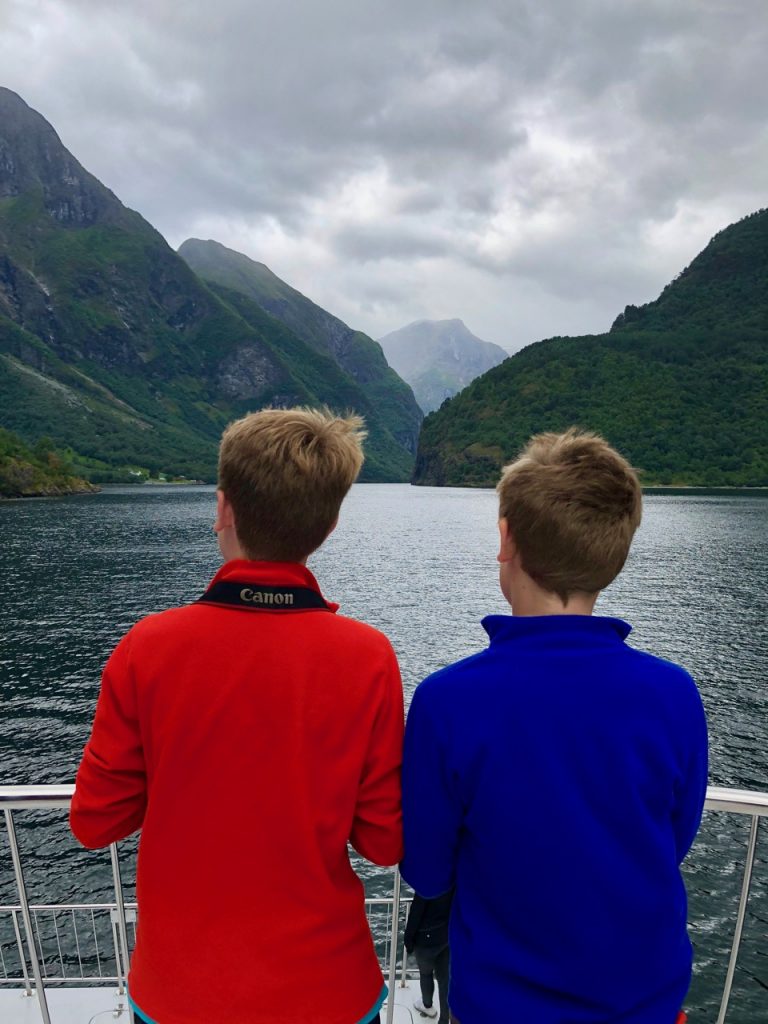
<point>22,955</point>
<point>740,915</point>
<point>122,927</point>
<point>26,917</point>
<point>394,932</point>
<point>118,952</point>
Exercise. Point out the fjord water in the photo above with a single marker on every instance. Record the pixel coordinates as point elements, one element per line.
<point>419,564</point>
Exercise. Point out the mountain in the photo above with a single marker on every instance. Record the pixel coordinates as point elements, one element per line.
<point>111,346</point>
<point>359,356</point>
<point>679,385</point>
<point>438,358</point>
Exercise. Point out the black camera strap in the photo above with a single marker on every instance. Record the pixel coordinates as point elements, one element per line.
<point>260,597</point>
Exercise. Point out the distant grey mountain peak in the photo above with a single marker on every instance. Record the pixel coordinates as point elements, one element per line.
<point>438,358</point>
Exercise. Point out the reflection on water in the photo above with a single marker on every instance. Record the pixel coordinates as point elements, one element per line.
<point>419,563</point>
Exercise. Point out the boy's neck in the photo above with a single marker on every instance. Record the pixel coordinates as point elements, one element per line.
<point>527,598</point>
<point>522,591</point>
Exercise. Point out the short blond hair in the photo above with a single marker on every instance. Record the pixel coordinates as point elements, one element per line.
<point>572,504</point>
<point>286,472</point>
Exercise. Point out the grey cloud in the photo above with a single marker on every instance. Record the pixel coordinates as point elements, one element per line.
<point>515,145</point>
<point>388,242</point>
<point>419,200</point>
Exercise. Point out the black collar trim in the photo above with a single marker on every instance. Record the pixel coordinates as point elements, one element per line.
<point>260,597</point>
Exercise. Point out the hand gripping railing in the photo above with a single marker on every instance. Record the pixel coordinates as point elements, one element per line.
<point>17,798</point>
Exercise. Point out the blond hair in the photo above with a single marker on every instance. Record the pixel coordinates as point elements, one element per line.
<point>572,504</point>
<point>285,472</point>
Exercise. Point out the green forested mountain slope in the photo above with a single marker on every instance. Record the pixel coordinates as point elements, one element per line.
<point>112,346</point>
<point>680,386</point>
<point>725,286</point>
<point>354,352</point>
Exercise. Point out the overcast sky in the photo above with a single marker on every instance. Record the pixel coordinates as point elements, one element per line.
<point>529,167</point>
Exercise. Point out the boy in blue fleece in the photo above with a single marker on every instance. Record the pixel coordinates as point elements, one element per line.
<point>557,778</point>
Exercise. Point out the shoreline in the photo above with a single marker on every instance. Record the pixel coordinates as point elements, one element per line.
<point>64,492</point>
<point>650,489</point>
<point>718,488</point>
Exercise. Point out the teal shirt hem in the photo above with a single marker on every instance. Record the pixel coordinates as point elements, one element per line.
<point>376,1006</point>
<point>363,1020</point>
<point>142,1015</point>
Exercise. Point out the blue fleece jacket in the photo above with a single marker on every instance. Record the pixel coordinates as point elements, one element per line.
<point>557,780</point>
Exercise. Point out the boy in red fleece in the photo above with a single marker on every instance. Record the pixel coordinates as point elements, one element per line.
<point>250,736</point>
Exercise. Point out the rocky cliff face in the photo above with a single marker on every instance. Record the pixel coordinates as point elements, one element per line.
<point>33,159</point>
<point>354,352</point>
<point>69,246</point>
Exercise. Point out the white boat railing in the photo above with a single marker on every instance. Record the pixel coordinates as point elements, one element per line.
<point>29,964</point>
<point>78,943</point>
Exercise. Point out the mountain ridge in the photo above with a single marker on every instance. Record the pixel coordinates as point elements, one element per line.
<point>679,385</point>
<point>111,345</point>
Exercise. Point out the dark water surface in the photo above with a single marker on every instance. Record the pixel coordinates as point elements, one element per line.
<point>419,563</point>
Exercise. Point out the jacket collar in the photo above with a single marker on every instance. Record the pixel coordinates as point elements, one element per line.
<point>511,627</point>
<point>274,574</point>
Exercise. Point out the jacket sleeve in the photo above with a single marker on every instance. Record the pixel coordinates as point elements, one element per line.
<point>432,815</point>
<point>692,790</point>
<point>111,785</point>
<point>377,827</point>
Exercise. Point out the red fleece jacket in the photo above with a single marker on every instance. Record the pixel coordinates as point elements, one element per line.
<point>250,746</point>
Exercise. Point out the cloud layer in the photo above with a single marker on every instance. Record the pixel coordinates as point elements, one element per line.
<point>530,167</point>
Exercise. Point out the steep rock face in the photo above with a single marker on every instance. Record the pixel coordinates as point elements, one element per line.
<point>77,268</point>
<point>111,345</point>
<point>25,300</point>
<point>246,373</point>
<point>438,358</point>
<point>311,366</point>
<point>357,354</point>
<point>679,385</point>
<point>32,158</point>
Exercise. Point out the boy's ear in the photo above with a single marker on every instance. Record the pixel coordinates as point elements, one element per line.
<point>507,546</point>
<point>225,517</point>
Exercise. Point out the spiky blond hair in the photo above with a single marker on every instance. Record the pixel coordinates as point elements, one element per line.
<point>286,472</point>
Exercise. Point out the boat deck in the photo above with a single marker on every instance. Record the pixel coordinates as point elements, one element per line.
<point>99,1005</point>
